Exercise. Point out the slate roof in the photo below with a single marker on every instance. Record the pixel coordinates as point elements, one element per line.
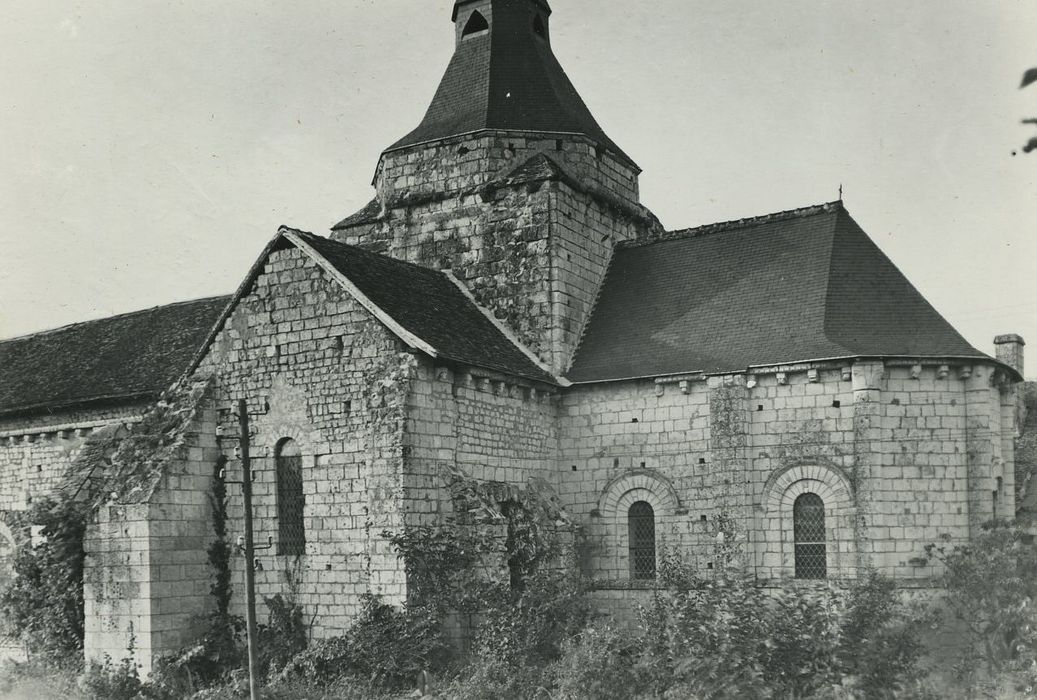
<point>132,356</point>
<point>370,213</point>
<point>795,286</point>
<point>431,306</point>
<point>507,79</point>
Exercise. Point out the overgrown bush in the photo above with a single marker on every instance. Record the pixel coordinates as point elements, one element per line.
<point>991,588</point>
<point>601,664</point>
<point>386,645</point>
<point>729,638</point>
<point>108,680</point>
<point>282,637</point>
<point>446,566</point>
<point>43,603</point>
<point>530,628</point>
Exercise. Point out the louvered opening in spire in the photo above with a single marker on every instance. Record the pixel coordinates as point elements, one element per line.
<point>476,23</point>
<point>504,76</point>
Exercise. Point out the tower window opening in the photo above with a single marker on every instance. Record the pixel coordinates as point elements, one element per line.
<point>476,23</point>
<point>808,525</point>
<point>539,28</point>
<point>641,530</point>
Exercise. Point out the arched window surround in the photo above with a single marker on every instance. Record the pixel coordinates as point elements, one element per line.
<point>290,499</point>
<point>614,509</point>
<point>776,549</point>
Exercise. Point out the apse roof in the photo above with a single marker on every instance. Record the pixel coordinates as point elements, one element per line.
<point>132,356</point>
<point>802,285</point>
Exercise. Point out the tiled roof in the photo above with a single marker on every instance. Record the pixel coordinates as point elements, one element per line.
<point>431,306</point>
<point>801,285</point>
<point>507,79</point>
<point>370,213</point>
<point>127,357</point>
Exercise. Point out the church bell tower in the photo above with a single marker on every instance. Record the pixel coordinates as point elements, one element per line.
<point>508,181</point>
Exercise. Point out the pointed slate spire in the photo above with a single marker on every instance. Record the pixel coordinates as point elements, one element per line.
<point>504,76</point>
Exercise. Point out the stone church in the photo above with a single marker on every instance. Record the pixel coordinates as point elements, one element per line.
<point>507,309</point>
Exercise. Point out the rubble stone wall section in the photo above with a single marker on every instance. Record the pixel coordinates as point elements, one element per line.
<point>466,162</point>
<point>533,253</point>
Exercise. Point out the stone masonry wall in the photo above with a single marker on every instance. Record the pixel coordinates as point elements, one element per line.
<point>902,454</point>
<point>492,428</point>
<point>533,253</point>
<point>35,451</point>
<point>315,367</point>
<point>470,161</point>
<point>146,575</point>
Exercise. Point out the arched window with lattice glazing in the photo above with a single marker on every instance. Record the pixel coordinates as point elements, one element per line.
<point>808,524</point>
<point>641,526</point>
<point>291,533</point>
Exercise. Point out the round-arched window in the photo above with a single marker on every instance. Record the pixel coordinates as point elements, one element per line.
<point>290,500</point>
<point>808,524</point>
<point>641,530</point>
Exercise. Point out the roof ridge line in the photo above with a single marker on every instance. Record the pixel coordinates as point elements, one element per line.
<point>125,314</point>
<point>722,226</point>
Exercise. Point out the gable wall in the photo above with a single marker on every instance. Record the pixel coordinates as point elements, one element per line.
<point>316,367</point>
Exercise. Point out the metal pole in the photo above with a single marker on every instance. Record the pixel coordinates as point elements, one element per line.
<point>250,553</point>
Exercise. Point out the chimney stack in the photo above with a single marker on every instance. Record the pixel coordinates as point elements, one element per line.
<point>1009,349</point>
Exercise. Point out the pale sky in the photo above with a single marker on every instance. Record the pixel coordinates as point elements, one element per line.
<point>150,148</point>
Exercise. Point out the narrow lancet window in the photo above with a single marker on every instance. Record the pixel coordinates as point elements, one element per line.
<point>290,500</point>
<point>808,524</point>
<point>641,524</point>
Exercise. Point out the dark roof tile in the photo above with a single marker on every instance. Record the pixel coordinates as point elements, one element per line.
<point>121,358</point>
<point>801,285</point>
<point>507,79</point>
<point>369,214</point>
<point>431,306</point>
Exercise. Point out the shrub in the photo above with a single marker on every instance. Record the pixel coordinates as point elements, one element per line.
<point>219,650</point>
<point>113,681</point>
<point>991,588</point>
<point>386,645</point>
<point>43,603</point>
<point>282,637</point>
<point>530,628</point>
<point>599,664</point>
<point>879,638</point>
<point>729,638</point>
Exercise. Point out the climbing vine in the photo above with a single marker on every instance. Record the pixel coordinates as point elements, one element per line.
<point>43,602</point>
